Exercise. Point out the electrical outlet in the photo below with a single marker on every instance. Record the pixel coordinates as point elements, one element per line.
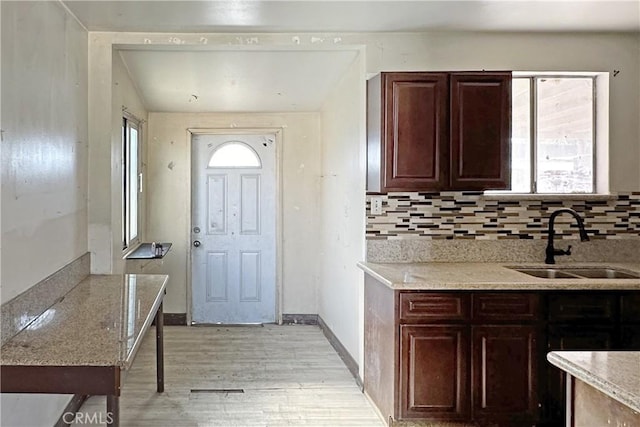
<point>376,205</point>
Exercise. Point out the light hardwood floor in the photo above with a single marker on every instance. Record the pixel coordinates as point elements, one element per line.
<point>246,376</point>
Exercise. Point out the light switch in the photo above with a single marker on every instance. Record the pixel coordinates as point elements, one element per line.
<point>376,205</point>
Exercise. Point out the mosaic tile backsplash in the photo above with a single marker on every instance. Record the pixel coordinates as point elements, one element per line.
<point>472,215</point>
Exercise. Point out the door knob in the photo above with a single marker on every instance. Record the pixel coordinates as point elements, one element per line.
<point>196,243</point>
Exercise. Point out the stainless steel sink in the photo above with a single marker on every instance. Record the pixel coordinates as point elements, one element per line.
<point>546,273</point>
<point>577,272</point>
<point>602,273</point>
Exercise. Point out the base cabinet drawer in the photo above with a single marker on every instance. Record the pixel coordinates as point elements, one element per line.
<point>434,369</point>
<point>418,307</point>
<point>505,307</point>
<point>591,307</point>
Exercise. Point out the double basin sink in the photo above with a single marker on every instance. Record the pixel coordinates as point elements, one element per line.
<point>577,272</point>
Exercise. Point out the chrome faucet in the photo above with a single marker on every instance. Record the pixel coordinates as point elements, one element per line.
<point>551,252</point>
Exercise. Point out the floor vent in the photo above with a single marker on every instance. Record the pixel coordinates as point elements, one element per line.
<point>217,390</point>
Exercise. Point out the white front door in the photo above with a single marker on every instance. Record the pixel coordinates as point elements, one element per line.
<point>233,229</point>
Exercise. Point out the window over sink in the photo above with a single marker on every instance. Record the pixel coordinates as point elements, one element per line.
<point>554,138</point>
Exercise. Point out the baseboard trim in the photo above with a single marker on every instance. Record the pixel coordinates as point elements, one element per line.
<point>72,407</point>
<point>300,319</point>
<point>349,361</point>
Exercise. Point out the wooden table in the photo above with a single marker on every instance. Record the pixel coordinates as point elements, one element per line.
<point>86,341</point>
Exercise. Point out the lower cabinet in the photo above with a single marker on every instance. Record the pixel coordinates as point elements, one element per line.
<point>630,321</point>
<point>480,357</point>
<point>585,321</point>
<point>434,370</point>
<point>630,337</point>
<point>569,337</point>
<point>505,369</point>
<point>469,356</point>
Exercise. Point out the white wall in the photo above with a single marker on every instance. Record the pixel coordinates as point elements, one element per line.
<point>44,163</point>
<point>117,92</point>
<point>404,51</point>
<point>1,138</point>
<point>384,51</point>
<point>168,198</point>
<point>342,193</point>
<point>44,146</point>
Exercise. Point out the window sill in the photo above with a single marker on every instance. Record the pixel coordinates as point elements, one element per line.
<point>143,251</point>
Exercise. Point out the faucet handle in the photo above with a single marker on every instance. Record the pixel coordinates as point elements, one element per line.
<point>562,252</point>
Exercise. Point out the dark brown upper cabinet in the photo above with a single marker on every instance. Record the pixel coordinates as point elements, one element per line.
<point>435,131</point>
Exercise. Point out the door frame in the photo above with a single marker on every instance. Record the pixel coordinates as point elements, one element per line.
<point>191,132</point>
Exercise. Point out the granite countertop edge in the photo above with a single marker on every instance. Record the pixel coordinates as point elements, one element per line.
<point>32,349</point>
<point>609,386</point>
<point>489,276</point>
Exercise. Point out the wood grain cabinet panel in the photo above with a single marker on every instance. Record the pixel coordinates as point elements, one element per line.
<point>505,374</point>
<point>570,337</point>
<point>506,307</point>
<point>479,357</point>
<point>578,321</point>
<point>407,131</point>
<point>582,307</point>
<point>433,372</point>
<point>630,337</point>
<point>433,307</point>
<point>410,120</point>
<point>415,131</point>
<point>630,307</point>
<point>480,131</point>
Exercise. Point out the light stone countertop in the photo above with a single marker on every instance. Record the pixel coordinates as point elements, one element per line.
<point>614,373</point>
<point>98,323</point>
<point>489,276</point>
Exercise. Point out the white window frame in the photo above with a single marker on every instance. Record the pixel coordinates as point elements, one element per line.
<point>600,130</point>
<point>130,122</point>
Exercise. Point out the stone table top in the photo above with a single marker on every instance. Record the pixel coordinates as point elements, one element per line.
<point>614,373</point>
<point>489,276</point>
<point>100,322</point>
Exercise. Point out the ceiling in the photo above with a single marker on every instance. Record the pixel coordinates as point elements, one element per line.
<point>358,16</point>
<point>232,81</point>
<point>300,80</point>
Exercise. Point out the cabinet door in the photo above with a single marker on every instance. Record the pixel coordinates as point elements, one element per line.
<point>630,337</point>
<point>577,338</point>
<point>434,372</point>
<point>480,131</point>
<point>504,366</point>
<point>415,132</point>
<point>630,307</point>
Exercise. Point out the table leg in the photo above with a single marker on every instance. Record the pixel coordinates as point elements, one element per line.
<point>160,349</point>
<point>113,410</point>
